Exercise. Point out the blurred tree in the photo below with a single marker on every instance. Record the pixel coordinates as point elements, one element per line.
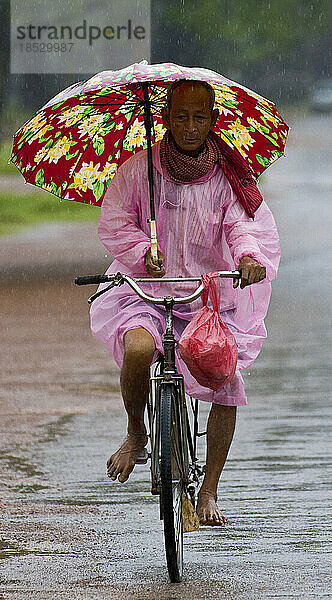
<point>278,47</point>
<point>255,41</point>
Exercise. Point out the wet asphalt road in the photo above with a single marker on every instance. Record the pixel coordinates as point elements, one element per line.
<point>67,532</point>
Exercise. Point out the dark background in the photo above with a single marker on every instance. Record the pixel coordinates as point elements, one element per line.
<point>281,49</point>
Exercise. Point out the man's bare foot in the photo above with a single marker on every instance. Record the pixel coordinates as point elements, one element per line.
<point>208,510</point>
<point>122,462</point>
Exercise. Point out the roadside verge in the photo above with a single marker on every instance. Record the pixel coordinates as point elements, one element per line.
<point>52,251</point>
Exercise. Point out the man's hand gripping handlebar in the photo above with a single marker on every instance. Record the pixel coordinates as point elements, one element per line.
<point>116,279</point>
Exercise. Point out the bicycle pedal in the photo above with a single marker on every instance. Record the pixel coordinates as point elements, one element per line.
<point>142,458</point>
<point>190,520</point>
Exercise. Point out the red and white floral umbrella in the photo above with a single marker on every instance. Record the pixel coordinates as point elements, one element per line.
<point>73,146</point>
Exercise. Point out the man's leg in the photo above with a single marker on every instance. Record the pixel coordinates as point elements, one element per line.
<point>220,430</point>
<point>139,349</point>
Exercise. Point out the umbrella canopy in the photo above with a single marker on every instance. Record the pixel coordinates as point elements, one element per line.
<point>73,146</point>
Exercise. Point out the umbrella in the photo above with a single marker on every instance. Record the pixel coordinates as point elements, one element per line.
<point>74,144</point>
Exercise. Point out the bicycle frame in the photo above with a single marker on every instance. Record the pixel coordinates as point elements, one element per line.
<point>168,372</point>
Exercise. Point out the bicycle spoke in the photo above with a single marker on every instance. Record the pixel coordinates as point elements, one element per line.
<point>154,434</point>
<point>176,448</point>
<point>177,503</point>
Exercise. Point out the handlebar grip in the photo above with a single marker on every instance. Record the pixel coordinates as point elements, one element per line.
<point>88,279</point>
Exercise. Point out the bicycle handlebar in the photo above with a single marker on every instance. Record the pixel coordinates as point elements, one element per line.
<point>87,279</point>
<point>119,279</point>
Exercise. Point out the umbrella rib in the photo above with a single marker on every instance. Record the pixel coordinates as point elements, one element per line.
<point>81,118</point>
<point>80,158</point>
<point>161,91</point>
<point>115,89</point>
<point>158,98</point>
<point>89,102</point>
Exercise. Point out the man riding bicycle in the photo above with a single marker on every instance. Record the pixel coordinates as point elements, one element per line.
<point>202,227</point>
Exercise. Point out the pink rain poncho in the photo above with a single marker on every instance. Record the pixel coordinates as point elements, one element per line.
<point>201,227</point>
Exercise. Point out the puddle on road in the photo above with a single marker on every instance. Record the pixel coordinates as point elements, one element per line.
<point>8,549</point>
<point>51,431</point>
<point>25,466</point>
<point>29,489</point>
<point>93,387</point>
<point>20,464</point>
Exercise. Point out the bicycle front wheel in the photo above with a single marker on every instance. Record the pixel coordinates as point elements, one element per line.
<point>173,476</point>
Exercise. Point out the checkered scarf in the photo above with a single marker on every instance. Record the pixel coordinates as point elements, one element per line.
<point>183,168</point>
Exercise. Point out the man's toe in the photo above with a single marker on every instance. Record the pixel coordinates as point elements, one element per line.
<point>114,471</point>
<point>126,472</point>
<point>113,474</point>
<point>110,468</point>
<point>219,519</point>
<point>222,518</point>
<point>203,517</point>
<point>110,460</point>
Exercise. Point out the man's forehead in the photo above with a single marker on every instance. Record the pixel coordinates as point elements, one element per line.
<point>191,93</point>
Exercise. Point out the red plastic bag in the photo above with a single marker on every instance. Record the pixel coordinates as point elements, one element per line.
<point>207,345</point>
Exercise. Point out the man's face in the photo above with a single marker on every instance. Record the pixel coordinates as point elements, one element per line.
<point>190,118</point>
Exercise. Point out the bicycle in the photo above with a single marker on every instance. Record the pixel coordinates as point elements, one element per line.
<point>175,470</point>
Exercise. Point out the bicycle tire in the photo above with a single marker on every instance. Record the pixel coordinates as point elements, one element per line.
<point>172,477</point>
<point>153,406</point>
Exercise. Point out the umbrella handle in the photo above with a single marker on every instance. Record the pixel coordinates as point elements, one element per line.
<point>154,244</point>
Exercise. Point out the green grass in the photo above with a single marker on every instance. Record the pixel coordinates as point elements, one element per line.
<point>18,211</point>
<point>22,210</point>
<point>5,152</point>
